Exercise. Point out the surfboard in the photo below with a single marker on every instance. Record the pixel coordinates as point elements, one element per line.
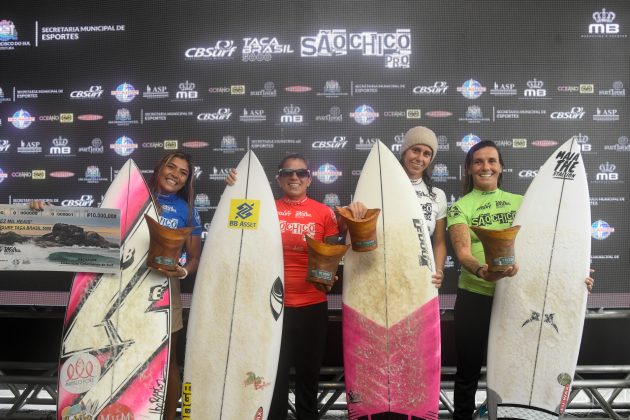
<point>538,315</point>
<point>390,316</point>
<point>115,347</point>
<point>235,322</point>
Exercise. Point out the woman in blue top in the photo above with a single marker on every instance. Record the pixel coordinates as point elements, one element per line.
<point>171,185</point>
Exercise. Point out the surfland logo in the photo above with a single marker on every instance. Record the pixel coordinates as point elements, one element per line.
<point>622,145</point>
<point>566,163</point>
<point>334,115</point>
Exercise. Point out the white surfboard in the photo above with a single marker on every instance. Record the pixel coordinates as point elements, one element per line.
<point>391,323</point>
<point>538,315</point>
<point>235,323</point>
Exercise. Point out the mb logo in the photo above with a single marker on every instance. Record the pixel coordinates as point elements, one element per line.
<point>535,89</point>
<point>60,146</point>
<point>186,91</point>
<point>603,23</point>
<point>291,115</point>
<point>607,172</point>
<point>582,140</point>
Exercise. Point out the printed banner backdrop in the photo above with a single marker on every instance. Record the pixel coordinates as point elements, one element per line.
<point>85,85</point>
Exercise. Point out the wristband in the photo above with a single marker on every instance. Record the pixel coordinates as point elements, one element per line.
<point>440,271</point>
<point>477,271</point>
<point>185,273</point>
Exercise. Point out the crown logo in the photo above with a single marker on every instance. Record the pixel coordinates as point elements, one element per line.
<point>59,141</point>
<point>291,110</point>
<point>535,84</point>
<point>187,86</point>
<point>581,138</point>
<point>607,167</point>
<point>604,16</point>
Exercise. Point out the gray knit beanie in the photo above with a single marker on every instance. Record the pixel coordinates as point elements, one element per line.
<point>420,135</point>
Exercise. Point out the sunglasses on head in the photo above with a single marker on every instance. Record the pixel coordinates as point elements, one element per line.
<point>301,173</point>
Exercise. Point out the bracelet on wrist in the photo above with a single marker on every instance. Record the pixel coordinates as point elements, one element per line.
<point>185,273</point>
<point>440,271</point>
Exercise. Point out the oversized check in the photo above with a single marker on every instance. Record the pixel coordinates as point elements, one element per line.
<point>80,239</point>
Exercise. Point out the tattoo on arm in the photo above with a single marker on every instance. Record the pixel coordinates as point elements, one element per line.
<point>460,239</point>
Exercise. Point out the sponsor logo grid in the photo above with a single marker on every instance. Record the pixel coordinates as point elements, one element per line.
<point>93,124</point>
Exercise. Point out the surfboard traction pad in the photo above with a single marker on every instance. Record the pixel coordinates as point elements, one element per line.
<point>114,361</point>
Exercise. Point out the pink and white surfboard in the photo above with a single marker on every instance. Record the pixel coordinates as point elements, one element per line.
<point>115,349</point>
<point>391,324</point>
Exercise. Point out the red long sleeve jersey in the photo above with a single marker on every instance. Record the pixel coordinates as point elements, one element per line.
<point>297,219</point>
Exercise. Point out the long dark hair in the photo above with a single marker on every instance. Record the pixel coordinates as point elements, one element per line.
<point>187,192</point>
<point>468,180</point>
